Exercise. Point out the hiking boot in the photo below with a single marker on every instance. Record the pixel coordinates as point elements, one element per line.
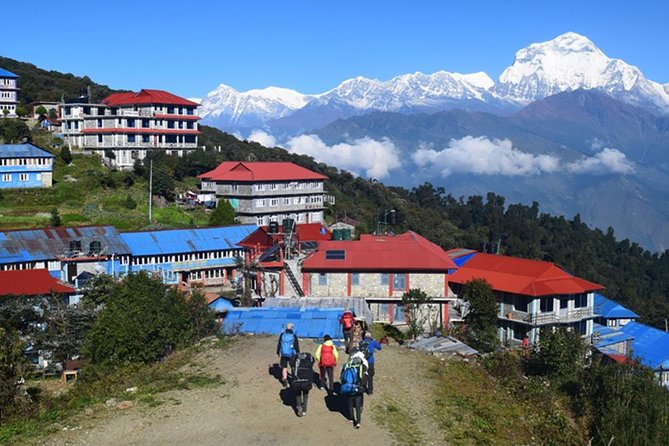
<point>304,413</point>
<point>357,425</point>
<point>299,413</point>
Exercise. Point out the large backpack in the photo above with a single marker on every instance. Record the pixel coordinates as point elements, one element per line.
<point>347,320</point>
<point>327,356</point>
<point>353,377</point>
<point>303,373</point>
<point>287,348</point>
<point>363,346</point>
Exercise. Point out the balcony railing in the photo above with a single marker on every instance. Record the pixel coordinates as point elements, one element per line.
<point>547,318</point>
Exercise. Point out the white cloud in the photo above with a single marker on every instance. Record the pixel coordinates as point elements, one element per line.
<point>482,156</point>
<point>363,156</point>
<point>262,138</point>
<point>606,161</point>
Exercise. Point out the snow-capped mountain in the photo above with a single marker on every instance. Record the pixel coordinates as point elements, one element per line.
<point>227,108</point>
<point>571,61</point>
<point>566,63</point>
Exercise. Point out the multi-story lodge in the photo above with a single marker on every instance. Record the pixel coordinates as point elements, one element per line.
<point>9,93</point>
<point>380,269</point>
<point>264,192</point>
<point>124,127</point>
<point>532,294</point>
<point>25,165</point>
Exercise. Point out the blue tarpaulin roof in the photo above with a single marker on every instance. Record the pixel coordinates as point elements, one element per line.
<point>176,241</point>
<point>609,309</point>
<point>309,322</point>
<point>221,304</point>
<point>650,345</point>
<point>23,151</point>
<point>50,243</point>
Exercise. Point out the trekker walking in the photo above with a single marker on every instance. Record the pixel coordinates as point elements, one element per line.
<point>302,381</point>
<point>327,357</point>
<point>286,349</point>
<point>353,382</point>
<point>368,345</point>
<point>347,321</point>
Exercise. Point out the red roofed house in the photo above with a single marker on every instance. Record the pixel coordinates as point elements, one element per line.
<point>532,294</point>
<point>264,192</point>
<point>32,282</point>
<point>125,126</point>
<point>381,269</point>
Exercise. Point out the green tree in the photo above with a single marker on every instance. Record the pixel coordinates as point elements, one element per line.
<point>561,354</point>
<point>480,314</point>
<point>223,215</point>
<point>202,317</point>
<point>129,202</point>
<point>12,368</point>
<point>21,111</point>
<point>41,111</point>
<point>417,305</point>
<point>66,155</point>
<point>12,131</point>
<point>5,112</point>
<point>53,114</point>
<point>55,218</point>
<point>142,321</point>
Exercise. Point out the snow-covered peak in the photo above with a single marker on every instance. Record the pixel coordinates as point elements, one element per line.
<point>480,79</point>
<point>572,61</point>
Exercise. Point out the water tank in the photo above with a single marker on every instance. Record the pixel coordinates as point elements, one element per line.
<point>273,227</point>
<point>288,224</point>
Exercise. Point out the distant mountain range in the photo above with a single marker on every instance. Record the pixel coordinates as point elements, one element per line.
<point>567,63</point>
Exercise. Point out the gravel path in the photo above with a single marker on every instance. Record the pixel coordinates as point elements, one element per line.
<point>253,408</point>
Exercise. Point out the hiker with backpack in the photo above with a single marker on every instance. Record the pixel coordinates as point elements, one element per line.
<point>286,349</point>
<point>368,345</point>
<point>347,322</point>
<point>303,378</point>
<point>353,381</point>
<point>327,357</point>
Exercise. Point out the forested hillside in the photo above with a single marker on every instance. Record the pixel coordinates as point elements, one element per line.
<point>37,84</point>
<point>632,275</point>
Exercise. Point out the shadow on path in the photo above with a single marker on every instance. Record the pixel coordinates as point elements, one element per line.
<point>275,371</point>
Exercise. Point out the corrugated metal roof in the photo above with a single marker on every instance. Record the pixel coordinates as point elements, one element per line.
<point>23,151</point>
<point>444,345</point>
<point>176,241</point>
<point>31,282</point>
<point>7,73</point>
<point>146,96</point>
<point>29,245</point>
<point>609,309</point>
<point>521,276</point>
<point>260,171</point>
<point>309,322</point>
<point>648,344</point>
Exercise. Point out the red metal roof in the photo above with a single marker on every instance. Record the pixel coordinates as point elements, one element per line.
<point>401,253</point>
<point>31,282</point>
<point>147,97</point>
<point>260,171</point>
<point>521,276</point>
<point>306,232</point>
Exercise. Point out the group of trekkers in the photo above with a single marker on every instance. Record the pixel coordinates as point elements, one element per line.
<point>357,373</point>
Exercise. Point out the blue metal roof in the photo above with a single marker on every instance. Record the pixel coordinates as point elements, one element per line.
<point>6,73</point>
<point>309,322</point>
<point>464,259</point>
<point>609,309</point>
<point>50,243</point>
<point>23,151</point>
<point>176,241</point>
<point>650,345</point>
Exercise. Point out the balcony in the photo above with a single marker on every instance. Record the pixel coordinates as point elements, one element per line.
<point>562,317</point>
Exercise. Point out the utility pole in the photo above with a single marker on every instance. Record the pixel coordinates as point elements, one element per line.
<point>150,190</point>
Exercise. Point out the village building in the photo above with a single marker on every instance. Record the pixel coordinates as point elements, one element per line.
<point>50,107</point>
<point>33,283</point>
<point>203,256</point>
<point>25,166</point>
<point>380,269</point>
<point>262,193</point>
<point>65,252</point>
<point>125,127</point>
<point>9,93</point>
<point>532,294</point>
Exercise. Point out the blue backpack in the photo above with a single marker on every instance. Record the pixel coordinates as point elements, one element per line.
<point>352,377</point>
<point>287,348</point>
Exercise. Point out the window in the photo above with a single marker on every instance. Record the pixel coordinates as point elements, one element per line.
<point>520,303</point>
<point>384,278</point>
<point>564,303</point>
<point>145,123</point>
<point>131,138</point>
<point>24,177</point>
<point>546,304</point>
<point>274,202</point>
<point>131,123</point>
<point>335,254</point>
<point>95,247</point>
<point>581,301</point>
<point>322,279</point>
<point>170,109</point>
<point>75,245</point>
<point>146,139</point>
<point>6,178</point>
<point>355,278</point>
<point>38,177</point>
<point>399,281</point>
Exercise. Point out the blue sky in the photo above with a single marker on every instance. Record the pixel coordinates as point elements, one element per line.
<point>190,47</point>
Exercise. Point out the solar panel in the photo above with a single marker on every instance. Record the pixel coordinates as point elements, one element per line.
<point>335,254</point>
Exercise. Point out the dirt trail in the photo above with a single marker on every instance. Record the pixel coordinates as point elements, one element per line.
<point>252,408</point>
